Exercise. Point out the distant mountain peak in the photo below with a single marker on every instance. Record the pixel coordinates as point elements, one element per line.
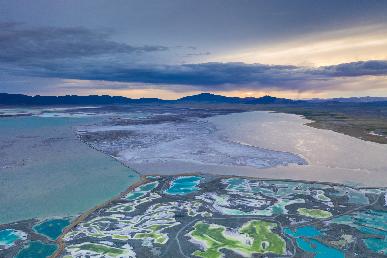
<point>214,98</point>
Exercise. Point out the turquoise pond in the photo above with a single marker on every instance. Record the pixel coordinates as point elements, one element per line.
<point>184,185</point>
<point>307,231</point>
<point>37,249</point>
<point>370,222</point>
<point>47,172</point>
<point>141,191</point>
<point>52,228</point>
<point>304,235</point>
<point>8,237</point>
<point>320,250</point>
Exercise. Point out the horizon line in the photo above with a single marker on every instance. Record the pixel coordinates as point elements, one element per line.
<point>247,97</point>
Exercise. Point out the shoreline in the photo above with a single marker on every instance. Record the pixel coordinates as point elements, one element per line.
<point>84,215</point>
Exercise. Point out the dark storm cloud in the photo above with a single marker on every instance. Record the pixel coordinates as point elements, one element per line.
<point>34,45</point>
<point>210,74</point>
<point>223,76</point>
<point>205,76</point>
<point>79,53</point>
<point>372,67</point>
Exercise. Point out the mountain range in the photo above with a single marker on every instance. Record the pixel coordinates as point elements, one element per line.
<point>21,99</point>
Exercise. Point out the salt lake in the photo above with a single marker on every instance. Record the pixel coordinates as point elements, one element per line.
<point>45,171</point>
<point>331,156</point>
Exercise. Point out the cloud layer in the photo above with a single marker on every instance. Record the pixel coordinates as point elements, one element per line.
<point>20,44</point>
<point>372,67</point>
<point>79,53</point>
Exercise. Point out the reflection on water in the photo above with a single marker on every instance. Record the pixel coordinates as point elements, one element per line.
<point>331,156</point>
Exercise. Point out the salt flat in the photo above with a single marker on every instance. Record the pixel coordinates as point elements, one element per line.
<point>258,144</point>
<point>195,144</point>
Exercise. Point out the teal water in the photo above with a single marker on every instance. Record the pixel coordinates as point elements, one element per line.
<point>184,185</point>
<point>149,187</point>
<point>48,172</point>
<point>354,196</point>
<point>378,245</point>
<point>369,222</point>
<point>8,237</point>
<point>236,184</point>
<point>52,228</point>
<point>141,191</point>
<point>37,249</point>
<point>134,195</point>
<point>303,237</point>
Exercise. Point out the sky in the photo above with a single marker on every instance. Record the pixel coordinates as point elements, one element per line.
<point>172,48</point>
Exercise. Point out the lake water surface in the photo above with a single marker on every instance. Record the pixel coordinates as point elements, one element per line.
<point>46,171</point>
<point>331,156</point>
